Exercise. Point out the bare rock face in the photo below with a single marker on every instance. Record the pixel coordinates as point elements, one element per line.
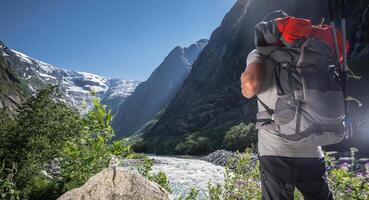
<point>117,184</point>
<point>11,93</point>
<point>157,91</point>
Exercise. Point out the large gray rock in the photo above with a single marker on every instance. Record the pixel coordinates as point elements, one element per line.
<point>219,157</point>
<point>121,184</point>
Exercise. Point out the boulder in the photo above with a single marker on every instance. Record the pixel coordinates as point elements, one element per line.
<point>219,157</point>
<point>117,184</point>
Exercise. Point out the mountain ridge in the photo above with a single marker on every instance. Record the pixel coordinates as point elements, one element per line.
<point>158,90</point>
<point>77,86</point>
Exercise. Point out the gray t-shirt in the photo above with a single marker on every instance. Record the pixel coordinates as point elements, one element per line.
<point>269,143</point>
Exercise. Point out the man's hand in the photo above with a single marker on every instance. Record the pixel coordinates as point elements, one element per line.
<point>251,79</point>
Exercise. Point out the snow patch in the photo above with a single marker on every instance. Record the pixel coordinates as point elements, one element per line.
<point>77,86</point>
<point>23,57</point>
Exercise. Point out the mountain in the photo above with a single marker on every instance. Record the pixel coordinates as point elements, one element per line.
<point>158,90</point>
<point>76,86</point>
<point>210,101</point>
<point>11,93</point>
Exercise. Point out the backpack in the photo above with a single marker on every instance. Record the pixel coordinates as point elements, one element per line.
<point>310,105</point>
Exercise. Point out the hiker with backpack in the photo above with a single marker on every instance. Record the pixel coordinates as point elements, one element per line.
<point>296,74</point>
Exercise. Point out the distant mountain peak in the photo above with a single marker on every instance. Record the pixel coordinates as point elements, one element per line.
<point>202,41</point>
<point>76,86</point>
<point>158,90</point>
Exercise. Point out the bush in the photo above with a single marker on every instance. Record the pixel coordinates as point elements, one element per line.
<point>91,151</point>
<point>8,187</point>
<point>346,183</point>
<point>194,144</point>
<point>242,179</point>
<point>46,129</point>
<point>192,195</point>
<point>240,137</point>
<point>160,178</point>
<point>32,138</point>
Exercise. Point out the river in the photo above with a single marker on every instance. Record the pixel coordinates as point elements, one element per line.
<point>186,173</point>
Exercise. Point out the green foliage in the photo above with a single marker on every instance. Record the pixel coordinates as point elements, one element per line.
<point>240,137</point>
<point>348,184</point>
<point>34,137</point>
<point>241,179</point>
<point>8,189</point>
<point>91,151</point>
<point>120,148</point>
<point>215,191</point>
<point>45,129</point>
<point>192,195</point>
<point>145,167</point>
<point>194,144</point>
<point>160,178</point>
<point>157,144</point>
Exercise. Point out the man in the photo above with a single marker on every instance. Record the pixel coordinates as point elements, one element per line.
<point>284,165</point>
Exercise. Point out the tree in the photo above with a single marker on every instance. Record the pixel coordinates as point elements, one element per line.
<point>34,137</point>
<point>91,151</point>
<point>240,137</point>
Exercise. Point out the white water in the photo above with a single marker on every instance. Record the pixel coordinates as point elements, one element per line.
<point>184,174</point>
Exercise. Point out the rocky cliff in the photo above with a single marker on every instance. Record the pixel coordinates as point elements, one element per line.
<point>158,90</point>
<point>11,93</point>
<point>210,101</point>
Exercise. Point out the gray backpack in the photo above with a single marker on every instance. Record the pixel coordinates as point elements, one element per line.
<point>310,105</point>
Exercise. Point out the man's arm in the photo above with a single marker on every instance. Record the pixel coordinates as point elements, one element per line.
<point>252,79</point>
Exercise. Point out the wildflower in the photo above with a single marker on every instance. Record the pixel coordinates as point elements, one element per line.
<point>360,175</point>
<point>344,166</point>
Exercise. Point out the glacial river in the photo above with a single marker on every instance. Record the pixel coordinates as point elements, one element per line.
<point>184,174</point>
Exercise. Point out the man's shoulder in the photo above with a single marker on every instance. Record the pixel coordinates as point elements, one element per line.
<point>255,57</point>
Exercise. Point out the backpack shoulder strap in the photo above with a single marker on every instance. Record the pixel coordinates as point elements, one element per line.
<point>269,110</point>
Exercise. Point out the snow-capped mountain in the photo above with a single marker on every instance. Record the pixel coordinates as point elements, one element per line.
<point>76,86</point>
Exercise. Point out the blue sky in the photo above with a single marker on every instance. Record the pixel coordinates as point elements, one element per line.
<point>113,38</point>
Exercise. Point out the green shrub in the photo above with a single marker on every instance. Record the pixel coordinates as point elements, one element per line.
<point>91,151</point>
<point>240,137</point>
<point>242,180</point>
<point>8,188</point>
<point>45,129</point>
<point>192,195</point>
<point>194,144</point>
<point>160,178</point>
<point>347,183</point>
<point>33,137</point>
